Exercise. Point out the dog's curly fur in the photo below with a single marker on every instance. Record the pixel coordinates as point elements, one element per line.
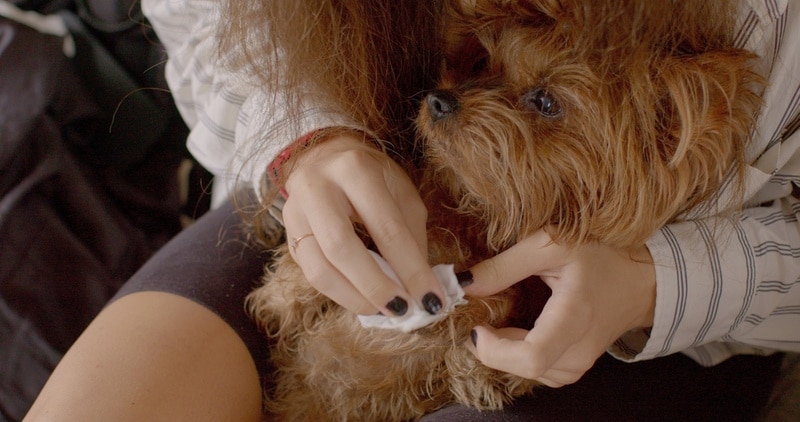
<point>597,120</point>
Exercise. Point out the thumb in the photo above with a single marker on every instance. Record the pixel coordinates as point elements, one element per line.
<point>534,255</point>
<point>505,349</point>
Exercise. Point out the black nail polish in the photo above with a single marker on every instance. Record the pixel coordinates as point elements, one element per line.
<point>473,335</point>
<point>398,306</point>
<point>464,278</point>
<point>432,303</point>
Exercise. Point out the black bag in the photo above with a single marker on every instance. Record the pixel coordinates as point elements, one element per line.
<point>88,180</point>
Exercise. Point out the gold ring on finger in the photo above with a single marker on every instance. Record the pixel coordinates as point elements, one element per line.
<point>296,241</point>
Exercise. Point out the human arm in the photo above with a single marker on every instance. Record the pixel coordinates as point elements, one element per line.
<point>226,114</point>
<point>723,287</point>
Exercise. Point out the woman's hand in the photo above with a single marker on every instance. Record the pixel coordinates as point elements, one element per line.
<point>345,180</point>
<point>598,294</point>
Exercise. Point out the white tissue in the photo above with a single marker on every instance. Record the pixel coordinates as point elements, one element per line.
<point>416,317</point>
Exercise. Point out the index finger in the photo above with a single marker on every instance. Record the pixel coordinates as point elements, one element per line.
<point>533,255</point>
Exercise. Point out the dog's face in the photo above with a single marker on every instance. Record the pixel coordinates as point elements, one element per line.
<point>591,118</point>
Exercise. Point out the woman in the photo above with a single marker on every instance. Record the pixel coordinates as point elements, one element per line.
<point>223,110</point>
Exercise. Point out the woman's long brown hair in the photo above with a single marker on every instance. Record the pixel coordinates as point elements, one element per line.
<point>366,59</point>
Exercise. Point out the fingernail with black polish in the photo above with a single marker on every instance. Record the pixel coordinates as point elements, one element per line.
<point>464,278</point>
<point>398,306</point>
<point>432,303</point>
<point>473,335</point>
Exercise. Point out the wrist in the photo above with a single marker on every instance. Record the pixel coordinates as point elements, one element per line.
<point>279,169</point>
<point>648,285</point>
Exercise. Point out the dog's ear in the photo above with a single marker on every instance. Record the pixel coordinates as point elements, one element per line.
<point>682,135</point>
<point>710,98</point>
<point>705,119</point>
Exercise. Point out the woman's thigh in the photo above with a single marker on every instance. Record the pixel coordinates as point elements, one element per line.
<point>153,356</point>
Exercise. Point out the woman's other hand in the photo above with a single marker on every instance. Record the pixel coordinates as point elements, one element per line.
<point>598,294</point>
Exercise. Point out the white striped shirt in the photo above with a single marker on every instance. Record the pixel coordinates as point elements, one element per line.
<point>225,112</point>
<point>723,287</point>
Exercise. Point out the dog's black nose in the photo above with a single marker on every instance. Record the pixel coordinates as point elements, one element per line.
<point>441,104</point>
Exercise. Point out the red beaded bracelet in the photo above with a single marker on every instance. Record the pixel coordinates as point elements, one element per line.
<point>275,167</point>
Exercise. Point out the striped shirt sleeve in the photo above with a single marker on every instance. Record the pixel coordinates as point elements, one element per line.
<point>732,286</point>
<point>724,287</point>
<point>236,129</point>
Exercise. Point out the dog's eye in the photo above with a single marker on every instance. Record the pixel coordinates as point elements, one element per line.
<point>479,66</point>
<point>540,101</point>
